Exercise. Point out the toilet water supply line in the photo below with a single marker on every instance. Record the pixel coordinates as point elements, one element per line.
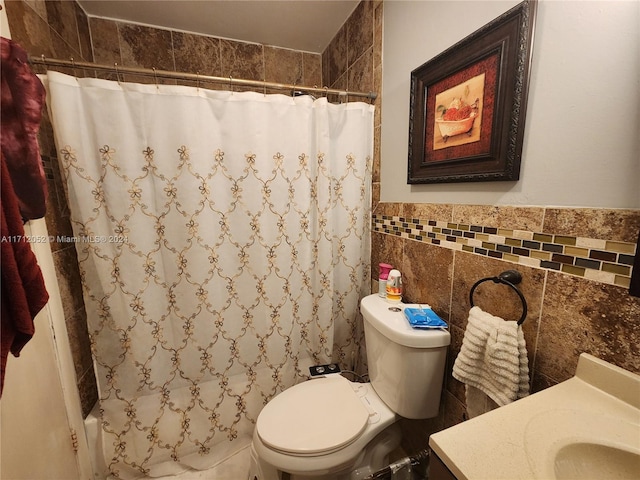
<point>420,459</point>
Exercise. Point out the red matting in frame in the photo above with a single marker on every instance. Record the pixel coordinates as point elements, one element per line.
<point>488,66</point>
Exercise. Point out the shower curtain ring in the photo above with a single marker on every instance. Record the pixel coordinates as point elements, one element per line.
<point>231,84</point>
<point>264,87</point>
<point>115,64</point>
<point>197,81</point>
<point>73,63</point>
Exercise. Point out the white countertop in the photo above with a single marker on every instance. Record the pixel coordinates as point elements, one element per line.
<point>518,441</point>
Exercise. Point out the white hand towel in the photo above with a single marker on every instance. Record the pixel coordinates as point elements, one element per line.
<point>492,359</point>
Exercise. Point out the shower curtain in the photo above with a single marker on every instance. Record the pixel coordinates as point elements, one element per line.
<point>223,243</point>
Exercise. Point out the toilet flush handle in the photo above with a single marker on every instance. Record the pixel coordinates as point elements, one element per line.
<point>374,417</point>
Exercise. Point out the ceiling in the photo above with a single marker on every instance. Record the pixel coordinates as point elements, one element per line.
<point>306,25</point>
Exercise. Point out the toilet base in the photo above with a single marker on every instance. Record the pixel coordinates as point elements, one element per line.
<point>372,458</point>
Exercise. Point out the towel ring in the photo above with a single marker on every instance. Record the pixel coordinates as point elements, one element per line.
<point>509,278</point>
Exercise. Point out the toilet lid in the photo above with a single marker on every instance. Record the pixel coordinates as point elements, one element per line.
<point>314,417</point>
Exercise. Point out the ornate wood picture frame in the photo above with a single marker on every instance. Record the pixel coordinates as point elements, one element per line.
<point>468,104</point>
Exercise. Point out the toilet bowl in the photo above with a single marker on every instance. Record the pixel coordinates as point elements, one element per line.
<point>322,427</point>
<point>330,428</point>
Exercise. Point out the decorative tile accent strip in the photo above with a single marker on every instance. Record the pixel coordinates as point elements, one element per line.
<point>603,261</point>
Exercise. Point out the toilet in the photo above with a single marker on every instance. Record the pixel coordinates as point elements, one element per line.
<point>330,428</point>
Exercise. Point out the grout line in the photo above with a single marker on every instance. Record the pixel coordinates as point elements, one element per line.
<point>453,276</point>
<point>535,350</point>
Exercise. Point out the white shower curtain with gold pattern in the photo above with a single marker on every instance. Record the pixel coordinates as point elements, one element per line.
<point>223,243</point>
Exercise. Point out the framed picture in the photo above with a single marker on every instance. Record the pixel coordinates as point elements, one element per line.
<point>468,104</point>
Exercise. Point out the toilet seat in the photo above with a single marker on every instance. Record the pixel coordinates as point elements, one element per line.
<point>316,417</point>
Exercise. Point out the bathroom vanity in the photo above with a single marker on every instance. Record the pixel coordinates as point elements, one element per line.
<point>587,427</point>
<point>438,470</point>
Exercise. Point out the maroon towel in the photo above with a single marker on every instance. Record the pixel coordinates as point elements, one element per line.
<point>23,97</point>
<point>23,290</point>
<point>23,192</point>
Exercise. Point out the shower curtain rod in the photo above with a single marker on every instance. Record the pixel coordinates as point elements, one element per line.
<point>152,72</point>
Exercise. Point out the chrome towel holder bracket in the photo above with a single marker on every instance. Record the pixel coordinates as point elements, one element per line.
<point>510,278</point>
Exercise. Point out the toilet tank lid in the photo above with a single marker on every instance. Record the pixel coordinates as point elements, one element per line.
<point>395,326</point>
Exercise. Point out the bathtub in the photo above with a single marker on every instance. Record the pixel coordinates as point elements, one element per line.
<point>94,439</point>
<point>232,459</point>
<point>226,458</point>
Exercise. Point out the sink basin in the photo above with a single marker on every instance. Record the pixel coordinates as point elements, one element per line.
<point>587,427</point>
<point>593,461</point>
<point>582,445</point>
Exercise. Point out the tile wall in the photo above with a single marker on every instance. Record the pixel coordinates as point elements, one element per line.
<point>353,61</point>
<point>442,250</point>
<point>607,261</point>
<point>575,262</point>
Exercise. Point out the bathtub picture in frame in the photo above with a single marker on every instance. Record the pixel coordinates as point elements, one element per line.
<point>458,114</point>
<point>468,104</point>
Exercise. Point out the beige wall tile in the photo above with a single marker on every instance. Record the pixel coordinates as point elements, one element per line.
<point>197,54</point>
<point>145,47</point>
<point>579,316</point>
<point>106,43</point>
<point>312,70</point>
<point>242,60</point>
<point>62,18</point>
<point>427,274</point>
<point>610,224</point>
<point>335,58</point>
<point>385,249</point>
<point>453,386</point>
<point>389,209</point>
<point>428,211</point>
<point>521,218</point>
<point>360,76</point>
<point>283,66</point>
<point>84,34</point>
<point>29,29</point>
<point>360,31</point>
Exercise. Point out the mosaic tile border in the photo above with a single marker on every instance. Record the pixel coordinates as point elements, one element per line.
<point>603,261</point>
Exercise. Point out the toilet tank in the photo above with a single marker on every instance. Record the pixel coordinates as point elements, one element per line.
<point>406,365</point>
